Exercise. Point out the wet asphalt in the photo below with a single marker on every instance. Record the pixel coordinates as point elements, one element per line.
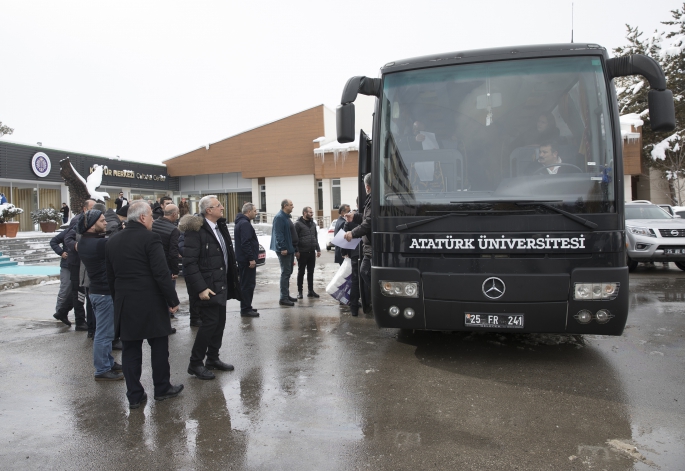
<point>314,388</point>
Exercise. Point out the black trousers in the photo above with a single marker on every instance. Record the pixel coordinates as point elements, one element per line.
<point>365,274</point>
<point>209,335</point>
<point>132,365</point>
<point>307,261</point>
<point>248,281</point>
<point>79,309</point>
<point>194,308</point>
<point>354,289</point>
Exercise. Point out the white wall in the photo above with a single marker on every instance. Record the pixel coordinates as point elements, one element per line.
<point>349,191</point>
<point>627,188</point>
<point>255,192</point>
<point>301,189</point>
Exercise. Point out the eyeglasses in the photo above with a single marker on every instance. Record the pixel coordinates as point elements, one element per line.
<point>217,206</point>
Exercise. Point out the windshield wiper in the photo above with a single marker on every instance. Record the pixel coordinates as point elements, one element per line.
<point>409,225</point>
<point>545,204</point>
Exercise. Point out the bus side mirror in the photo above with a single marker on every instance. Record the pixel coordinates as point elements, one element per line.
<point>344,122</point>
<point>661,110</point>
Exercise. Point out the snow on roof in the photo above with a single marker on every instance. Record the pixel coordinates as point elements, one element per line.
<point>337,149</point>
<point>628,121</point>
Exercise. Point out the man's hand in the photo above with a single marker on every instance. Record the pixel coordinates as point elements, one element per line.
<point>318,254</point>
<point>64,254</point>
<point>206,293</point>
<point>420,137</point>
<point>174,309</point>
<point>348,236</point>
<point>297,255</point>
<point>173,277</point>
<point>349,216</point>
<point>253,264</point>
<point>284,252</point>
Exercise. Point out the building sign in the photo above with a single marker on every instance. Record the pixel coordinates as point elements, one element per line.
<point>479,243</point>
<point>40,164</point>
<point>130,174</point>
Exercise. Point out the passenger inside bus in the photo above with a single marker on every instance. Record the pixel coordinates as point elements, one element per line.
<point>548,155</point>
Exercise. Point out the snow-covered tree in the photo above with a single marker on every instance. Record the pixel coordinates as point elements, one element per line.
<point>5,129</point>
<point>662,151</point>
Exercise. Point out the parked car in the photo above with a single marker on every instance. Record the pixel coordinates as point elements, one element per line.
<point>261,258</point>
<point>331,234</point>
<point>653,235</point>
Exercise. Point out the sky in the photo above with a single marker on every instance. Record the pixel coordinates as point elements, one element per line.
<point>149,80</point>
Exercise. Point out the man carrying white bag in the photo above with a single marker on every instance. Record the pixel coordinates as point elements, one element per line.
<point>341,284</point>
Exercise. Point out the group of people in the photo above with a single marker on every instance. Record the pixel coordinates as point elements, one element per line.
<point>126,261</point>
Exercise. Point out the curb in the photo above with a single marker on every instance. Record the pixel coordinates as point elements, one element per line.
<point>36,280</point>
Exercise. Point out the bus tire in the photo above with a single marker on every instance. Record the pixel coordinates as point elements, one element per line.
<point>632,264</point>
<point>680,265</point>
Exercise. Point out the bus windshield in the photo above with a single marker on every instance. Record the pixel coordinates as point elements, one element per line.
<point>497,133</point>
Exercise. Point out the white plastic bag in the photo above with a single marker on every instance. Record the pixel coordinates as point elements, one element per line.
<point>341,284</point>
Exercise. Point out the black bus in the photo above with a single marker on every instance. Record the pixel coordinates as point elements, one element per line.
<point>497,188</point>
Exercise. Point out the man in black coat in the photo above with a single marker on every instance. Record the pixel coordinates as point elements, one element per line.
<point>210,272</point>
<point>308,247</point>
<point>246,252</point>
<point>141,287</point>
<point>64,297</point>
<point>169,233</point>
<point>363,230</point>
<point>121,201</point>
<point>78,294</point>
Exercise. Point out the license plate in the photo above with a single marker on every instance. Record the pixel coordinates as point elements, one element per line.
<point>262,255</point>
<point>494,321</point>
<point>674,251</point>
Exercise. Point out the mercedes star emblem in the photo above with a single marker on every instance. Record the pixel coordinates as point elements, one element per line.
<point>493,288</point>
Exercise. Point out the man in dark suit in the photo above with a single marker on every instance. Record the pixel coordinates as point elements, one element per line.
<point>143,294</point>
<point>246,252</point>
<point>209,267</point>
<point>121,201</point>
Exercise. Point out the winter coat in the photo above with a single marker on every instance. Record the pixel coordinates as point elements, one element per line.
<point>338,225</point>
<point>203,261</point>
<point>157,211</point>
<point>113,221</point>
<point>246,242</point>
<point>308,235</point>
<point>59,247</point>
<point>70,238</point>
<point>119,202</point>
<point>169,234</point>
<point>91,249</point>
<point>282,234</point>
<point>140,283</point>
<point>363,230</point>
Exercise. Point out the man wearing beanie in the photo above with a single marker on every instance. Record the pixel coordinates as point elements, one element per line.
<point>91,248</point>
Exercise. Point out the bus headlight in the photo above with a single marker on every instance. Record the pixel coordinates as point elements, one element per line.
<point>603,316</point>
<point>584,316</point>
<point>595,291</point>
<point>400,289</point>
<point>408,313</point>
<point>394,311</point>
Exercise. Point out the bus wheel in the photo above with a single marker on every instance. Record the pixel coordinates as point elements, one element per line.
<point>632,264</point>
<point>680,265</point>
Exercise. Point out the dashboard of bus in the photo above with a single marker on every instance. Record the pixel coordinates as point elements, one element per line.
<point>497,134</point>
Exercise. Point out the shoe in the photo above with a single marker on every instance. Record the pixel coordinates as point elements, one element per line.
<point>312,294</point>
<point>172,392</point>
<point>200,371</point>
<point>91,335</point>
<point>299,295</point>
<point>196,323</point>
<point>82,326</point>
<point>137,404</point>
<point>116,367</point>
<point>286,302</point>
<point>218,365</point>
<point>291,299</point>
<point>173,331</point>
<point>62,318</point>
<point>354,311</point>
<point>116,344</point>
<point>249,314</point>
<point>111,375</point>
